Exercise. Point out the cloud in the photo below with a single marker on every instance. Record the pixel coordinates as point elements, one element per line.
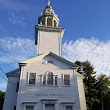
<point>97,52</point>
<point>16,49</point>
<point>14,19</point>
<point>3,85</point>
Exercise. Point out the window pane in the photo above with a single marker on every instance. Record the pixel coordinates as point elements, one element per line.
<point>50,78</point>
<point>32,78</point>
<point>66,79</point>
<point>56,80</point>
<point>29,108</point>
<point>44,79</point>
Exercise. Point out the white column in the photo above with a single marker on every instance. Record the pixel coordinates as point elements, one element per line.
<point>64,107</point>
<point>41,79</point>
<point>56,106</point>
<point>24,107</point>
<point>46,21</point>
<point>52,22</point>
<point>43,106</point>
<point>46,79</point>
<point>53,80</point>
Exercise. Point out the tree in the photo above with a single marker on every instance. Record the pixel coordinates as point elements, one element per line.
<point>89,83</point>
<point>97,89</point>
<point>2,94</point>
<point>103,85</point>
<point>106,101</point>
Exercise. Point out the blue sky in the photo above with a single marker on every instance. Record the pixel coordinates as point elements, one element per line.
<point>87,31</point>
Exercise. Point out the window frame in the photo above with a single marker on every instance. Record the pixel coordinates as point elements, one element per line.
<point>30,106</point>
<point>24,104</point>
<point>65,104</point>
<point>46,79</point>
<point>64,80</point>
<point>50,79</point>
<point>28,78</point>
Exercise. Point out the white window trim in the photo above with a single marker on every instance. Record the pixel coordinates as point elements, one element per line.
<point>29,104</point>
<point>47,79</point>
<point>63,80</point>
<point>28,76</point>
<point>68,104</point>
<point>47,101</point>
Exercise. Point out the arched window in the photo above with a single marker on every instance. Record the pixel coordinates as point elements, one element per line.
<point>49,21</point>
<point>50,78</point>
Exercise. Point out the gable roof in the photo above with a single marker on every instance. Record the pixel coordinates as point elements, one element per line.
<point>73,65</point>
<point>14,72</point>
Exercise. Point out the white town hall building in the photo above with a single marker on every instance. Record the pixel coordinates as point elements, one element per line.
<point>48,81</point>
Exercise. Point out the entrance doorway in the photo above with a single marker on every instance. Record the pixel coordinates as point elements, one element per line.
<point>49,107</point>
<point>68,107</point>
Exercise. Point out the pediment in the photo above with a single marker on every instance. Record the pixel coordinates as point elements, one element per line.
<point>47,60</point>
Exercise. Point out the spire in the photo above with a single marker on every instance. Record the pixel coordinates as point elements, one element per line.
<point>48,2</point>
<point>48,17</point>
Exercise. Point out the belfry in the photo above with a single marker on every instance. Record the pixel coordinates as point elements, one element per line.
<point>47,31</point>
<point>48,81</point>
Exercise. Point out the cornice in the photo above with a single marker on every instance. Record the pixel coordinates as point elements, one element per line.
<point>49,28</point>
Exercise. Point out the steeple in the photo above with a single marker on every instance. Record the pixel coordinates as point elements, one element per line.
<point>48,34</point>
<point>48,17</point>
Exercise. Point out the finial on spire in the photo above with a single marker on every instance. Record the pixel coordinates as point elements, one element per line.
<point>48,2</point>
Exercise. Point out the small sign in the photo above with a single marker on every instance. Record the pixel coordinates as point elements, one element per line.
<point>50,95</point>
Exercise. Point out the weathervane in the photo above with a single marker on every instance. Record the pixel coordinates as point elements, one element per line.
<point>49,2</point>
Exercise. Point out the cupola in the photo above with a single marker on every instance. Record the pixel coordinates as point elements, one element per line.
<point>48,17</point>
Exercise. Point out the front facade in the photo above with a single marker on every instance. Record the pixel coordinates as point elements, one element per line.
<point>48,81</point>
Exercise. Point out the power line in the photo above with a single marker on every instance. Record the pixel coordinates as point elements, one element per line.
<point>10,81</point>
<point>3,72</point>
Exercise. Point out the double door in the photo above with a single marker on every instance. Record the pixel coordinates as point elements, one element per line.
<point>49,107</point>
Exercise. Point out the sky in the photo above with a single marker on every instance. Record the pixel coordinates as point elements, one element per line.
<point>86,37</point>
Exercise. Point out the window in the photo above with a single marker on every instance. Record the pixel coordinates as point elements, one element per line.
<point>29,107</point>
<point>44,79</point>
<point>32,77</point>
<point>17,87</point>
<point>56,78</point>
<point>49,22</point>
<point>66,79</point>
<point>49,79</point>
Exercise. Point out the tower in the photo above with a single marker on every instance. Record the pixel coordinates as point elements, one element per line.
<point>48,34</point>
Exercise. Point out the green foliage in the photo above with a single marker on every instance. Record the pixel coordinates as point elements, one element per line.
<point>97,89</point>
<point>2,95</point>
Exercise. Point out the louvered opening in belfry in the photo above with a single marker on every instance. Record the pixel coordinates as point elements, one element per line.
<point>49,22</point>
<point>43,22</point>
<point>55,23</point>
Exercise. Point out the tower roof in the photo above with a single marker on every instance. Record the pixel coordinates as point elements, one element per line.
<point>48,17</point>
<point>48,9</point>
